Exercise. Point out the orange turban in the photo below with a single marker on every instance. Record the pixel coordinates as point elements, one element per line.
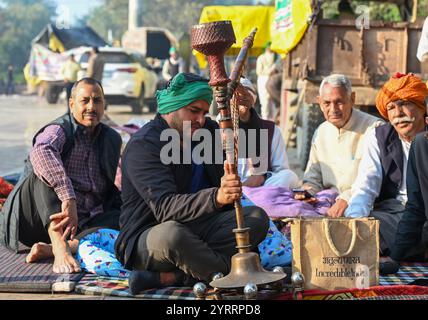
<point>401,87</point>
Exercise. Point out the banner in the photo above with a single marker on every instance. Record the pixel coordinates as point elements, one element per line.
<point>45,64</point>
<point>244,19</point>
<point>289,24</point>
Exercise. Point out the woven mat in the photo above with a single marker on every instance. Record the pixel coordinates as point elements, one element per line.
<point>401,292</point>
<point>407,273</point>
<point>92,284</point>
<point>18,276</point>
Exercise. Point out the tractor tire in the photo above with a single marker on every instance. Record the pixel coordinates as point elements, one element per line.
<point>52,94</point>
<point>138,104</point>
<point>309,118</point>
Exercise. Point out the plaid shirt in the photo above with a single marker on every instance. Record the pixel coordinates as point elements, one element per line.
<point>79,177</point>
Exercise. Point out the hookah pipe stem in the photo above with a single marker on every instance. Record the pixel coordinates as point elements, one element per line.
<point>234,77</point>
<point>240,61</point>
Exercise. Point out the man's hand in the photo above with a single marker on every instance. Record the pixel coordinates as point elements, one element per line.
<point>306,195</point>
<point>338,209</point>
<point>230,188</point>
<point>243,96</point>
<point>67,219</point>
<point>254,181</point>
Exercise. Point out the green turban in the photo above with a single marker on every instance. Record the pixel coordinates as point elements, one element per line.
<point>182,90</point>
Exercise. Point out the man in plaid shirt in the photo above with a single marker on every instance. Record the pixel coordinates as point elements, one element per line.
<point>69,184</point>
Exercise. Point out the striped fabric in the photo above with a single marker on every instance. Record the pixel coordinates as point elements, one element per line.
<point>18,276</point>
<point>399,297</point>
<point>92,284</point>
<point>407,273</point>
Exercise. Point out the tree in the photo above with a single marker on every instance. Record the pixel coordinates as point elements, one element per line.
<point>175,15</point>
<point>110,15</point>
<point>21,21</point>
<point>423,8</point>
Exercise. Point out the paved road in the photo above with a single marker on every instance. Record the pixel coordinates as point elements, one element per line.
<point>22,116</point>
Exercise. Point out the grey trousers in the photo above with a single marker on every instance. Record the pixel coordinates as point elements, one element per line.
<point>389,212</point>
<point>201,247</point>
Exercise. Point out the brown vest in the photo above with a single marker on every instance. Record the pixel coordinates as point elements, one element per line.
<point>257,123</point>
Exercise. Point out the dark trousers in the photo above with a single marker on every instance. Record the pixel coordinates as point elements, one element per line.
<point>201,247</point>
<point>10,88</point>
<point>389,212</point>
<point>38,202</point>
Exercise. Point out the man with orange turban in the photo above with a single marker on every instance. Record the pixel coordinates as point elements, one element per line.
<point>380,188</point>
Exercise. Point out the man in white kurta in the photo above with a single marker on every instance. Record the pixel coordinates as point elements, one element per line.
<point>265,65</point>
<point>422,52</point>
<point>337,144</point>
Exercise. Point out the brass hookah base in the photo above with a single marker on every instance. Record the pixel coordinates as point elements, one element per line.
<point>246,275</point>
<point>245,267</point>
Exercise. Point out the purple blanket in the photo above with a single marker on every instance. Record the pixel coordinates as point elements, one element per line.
<point>278,202</point>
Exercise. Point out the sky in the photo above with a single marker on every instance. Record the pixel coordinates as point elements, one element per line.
<point>75,9</point>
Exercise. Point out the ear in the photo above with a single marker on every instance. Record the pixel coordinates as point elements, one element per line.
<point>71,104</point>
<point>353,97</point>
<point>319,99</point>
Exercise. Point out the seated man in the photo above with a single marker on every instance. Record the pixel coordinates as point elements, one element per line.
<point>68,182</point>
<point>381,182</point>
<point>422,53</point>
<point>337,144</point>
<point>177,220</point>
<point>260,165</point>
<point>409,241</point>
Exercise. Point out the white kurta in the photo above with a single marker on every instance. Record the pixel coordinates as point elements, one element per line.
<point>336,154</point>
<point>264,66</point>
<point>423,42</point>
<point>367,186</point>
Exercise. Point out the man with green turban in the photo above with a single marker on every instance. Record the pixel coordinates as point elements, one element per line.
<point>177,218</point>
<point>173,65</point>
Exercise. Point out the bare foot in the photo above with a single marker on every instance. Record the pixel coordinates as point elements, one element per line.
<point>39,251</point>
<point>65,263</point>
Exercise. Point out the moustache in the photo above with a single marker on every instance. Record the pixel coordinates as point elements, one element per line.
<point>93,113</point>
<point>403,120</point>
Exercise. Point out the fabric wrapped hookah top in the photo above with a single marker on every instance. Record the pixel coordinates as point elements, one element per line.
<point>182,90</point>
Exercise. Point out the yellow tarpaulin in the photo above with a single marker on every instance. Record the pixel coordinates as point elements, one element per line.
<point>55,44</point>
<point>284,25</point>
<point>289,24</point>
<point>244,19</point>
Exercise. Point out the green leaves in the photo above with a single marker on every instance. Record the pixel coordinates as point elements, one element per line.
<point>20,22</point>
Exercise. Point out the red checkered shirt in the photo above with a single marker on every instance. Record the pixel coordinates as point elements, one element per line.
<point>79,177</point>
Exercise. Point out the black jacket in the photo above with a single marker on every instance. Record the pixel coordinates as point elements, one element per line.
<point>391,159</point>
<point>153,192</point>
<point>109,142</point>
<point>408,242</point>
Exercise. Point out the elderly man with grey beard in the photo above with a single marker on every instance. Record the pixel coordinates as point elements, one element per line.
<point>380,188</point>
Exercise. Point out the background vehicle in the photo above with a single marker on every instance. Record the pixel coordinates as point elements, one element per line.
<point>127,78</point>
<point>154,43</point>
<point>50,49</point>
